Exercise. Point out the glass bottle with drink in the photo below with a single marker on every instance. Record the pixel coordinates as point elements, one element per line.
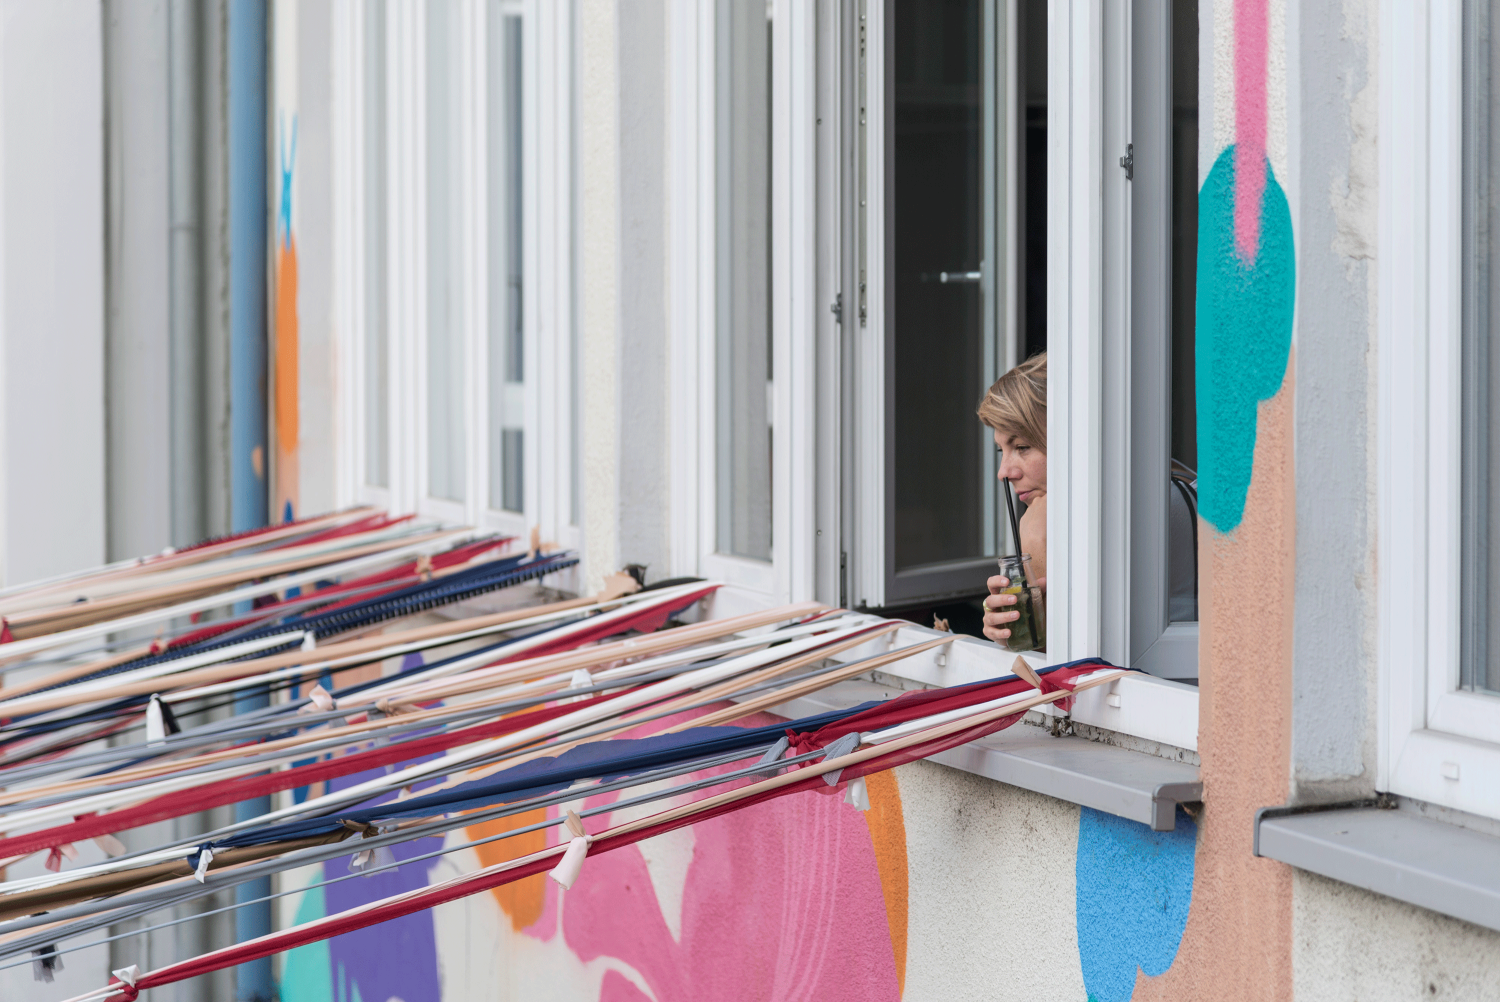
<point>1029,632</point>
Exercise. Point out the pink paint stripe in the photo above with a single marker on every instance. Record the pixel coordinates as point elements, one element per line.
<point>1251,30</point>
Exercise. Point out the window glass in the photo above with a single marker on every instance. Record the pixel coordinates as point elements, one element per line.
<point>743,389</point>
<point>1182,514</point>
<point>941,366</point>
<point>1480,664</point>
<point>507,375</point>
<point>445,389</point>
<point>377,437</point>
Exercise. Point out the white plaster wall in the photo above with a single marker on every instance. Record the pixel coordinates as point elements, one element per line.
<point>51,287</point>
<point>137,349</point>
<point>598,285</point>
<point>992,895</point>
<point>1350,945</point>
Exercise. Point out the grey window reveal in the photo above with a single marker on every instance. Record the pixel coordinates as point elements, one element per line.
<point>445,215</point>
<point>743,348</point>
<point>1480,659</point>
<point>507,372</point>
<point>377,355</point>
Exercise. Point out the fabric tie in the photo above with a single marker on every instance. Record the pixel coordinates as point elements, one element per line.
<point>857,794</point>
<point>156,725</point>
<point>56,854</point>
<point>319,700</point>
<point>370,861</point>
<point>125,978</point>
<point>772,755</point>
<point>838,749</point>
<point>571,864</point>
<point>47,961</point>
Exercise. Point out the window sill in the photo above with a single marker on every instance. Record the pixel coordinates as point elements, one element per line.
<point>1442,867</point>
<point>1129,784</point>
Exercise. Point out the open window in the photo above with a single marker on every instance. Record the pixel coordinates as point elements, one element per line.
<point>456,407</point>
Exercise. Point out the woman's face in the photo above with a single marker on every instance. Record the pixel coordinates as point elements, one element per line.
<point>1023,465</point>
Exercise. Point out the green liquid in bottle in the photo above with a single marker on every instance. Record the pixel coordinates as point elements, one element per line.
<point>1029,632</point>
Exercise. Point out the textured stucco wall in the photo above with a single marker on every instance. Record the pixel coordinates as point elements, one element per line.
<point>1354,946</point>
<point>643,286</point>
<point>1334,656</point>
<point>598,285</point>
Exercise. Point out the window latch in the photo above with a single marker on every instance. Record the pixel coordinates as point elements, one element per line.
<point>1128,161</point>
<point>837,309</point>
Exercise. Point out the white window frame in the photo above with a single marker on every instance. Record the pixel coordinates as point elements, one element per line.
<point>1095,605</point>
<point>788,575</point>
<point>1437,743</point>
<point>547,290</point>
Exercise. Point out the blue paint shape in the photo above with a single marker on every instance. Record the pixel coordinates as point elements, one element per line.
<point>1134,889</point>
<point>1244,336</point>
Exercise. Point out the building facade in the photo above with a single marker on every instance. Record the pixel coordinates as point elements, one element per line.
<point>714,289</point>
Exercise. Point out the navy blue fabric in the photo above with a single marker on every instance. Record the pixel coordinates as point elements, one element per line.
<point>606,759</point>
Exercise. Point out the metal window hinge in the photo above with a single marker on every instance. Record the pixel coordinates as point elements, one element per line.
<point>1128,161</point>
<point>837,309</point>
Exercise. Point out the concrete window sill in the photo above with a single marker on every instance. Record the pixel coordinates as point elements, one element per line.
<point>1130,784</point>
<point>1442,867</point>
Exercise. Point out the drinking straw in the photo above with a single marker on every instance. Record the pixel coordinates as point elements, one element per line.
<point>1015,524</point>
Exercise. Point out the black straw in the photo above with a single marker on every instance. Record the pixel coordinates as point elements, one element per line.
<point>1015,524</point>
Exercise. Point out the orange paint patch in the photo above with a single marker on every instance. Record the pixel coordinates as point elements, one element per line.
<point>888,835</point>
<point>287,364</point>
<point>1238,940</point>
<point>522,901</point>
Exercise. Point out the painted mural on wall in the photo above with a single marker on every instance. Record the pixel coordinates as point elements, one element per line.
<point>801,898</point>
<point>286,363</point>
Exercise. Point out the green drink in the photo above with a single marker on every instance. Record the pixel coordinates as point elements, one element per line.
<point>1029,632</point>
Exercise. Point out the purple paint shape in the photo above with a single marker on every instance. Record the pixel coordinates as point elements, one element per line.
<point>396,958</point>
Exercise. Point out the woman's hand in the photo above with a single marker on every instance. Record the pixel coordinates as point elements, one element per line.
<point>999,609</point>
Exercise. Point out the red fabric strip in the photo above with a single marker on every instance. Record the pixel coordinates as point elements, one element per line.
<point>217,794</point>
<point>915,705</point>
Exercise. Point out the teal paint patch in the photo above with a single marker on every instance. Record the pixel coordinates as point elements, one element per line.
<point>307,973</point>
<point>1134,888</point>
<point>1244,336</point>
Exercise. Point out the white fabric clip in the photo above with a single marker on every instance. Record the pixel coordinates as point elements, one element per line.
<point>45,963</point>
<point>581,679</point>
<point>856,793</point>
<point>130,975</point>
<point>110,845</point>
<point>838,749</point>
<point>156,723</point>
<point>320,700</point>
<point>205,857</point>
<point>309,640</point>
<point>567,870</point>
<point>772,755</point>
<point>369,861</point>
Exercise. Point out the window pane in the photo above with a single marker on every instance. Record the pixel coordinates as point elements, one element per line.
<point>743,265</point>
<point>445,390</point>
<point>507,375</point>
<point>377,437</point>
<point>1481,367</point>
<point>1182,515</point>
<point>938,329</point>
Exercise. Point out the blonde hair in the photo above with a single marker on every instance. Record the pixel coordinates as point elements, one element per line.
<point>1017,403</point>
